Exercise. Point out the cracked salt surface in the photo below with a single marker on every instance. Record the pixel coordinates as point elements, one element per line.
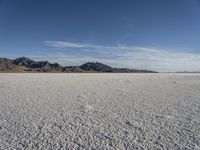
<point>99,111</point>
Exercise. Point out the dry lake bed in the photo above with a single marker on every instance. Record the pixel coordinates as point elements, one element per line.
<point>99,111</point>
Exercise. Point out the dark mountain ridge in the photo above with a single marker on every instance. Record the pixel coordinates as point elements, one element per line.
<point>24,64</point>
<point>98,67</point>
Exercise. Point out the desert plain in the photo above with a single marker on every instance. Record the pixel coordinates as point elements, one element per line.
<point>99,111</point>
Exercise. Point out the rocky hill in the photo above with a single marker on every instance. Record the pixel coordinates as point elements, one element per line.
<point>24,64</point>
<point>96,67</point>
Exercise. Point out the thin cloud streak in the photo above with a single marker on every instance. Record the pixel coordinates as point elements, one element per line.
<point>127,56</point>
<point>63,44</point>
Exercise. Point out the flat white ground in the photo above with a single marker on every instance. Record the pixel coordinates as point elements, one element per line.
<point>99,111</point>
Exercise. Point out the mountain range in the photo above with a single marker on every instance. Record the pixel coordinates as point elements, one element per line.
<point>24,64</point>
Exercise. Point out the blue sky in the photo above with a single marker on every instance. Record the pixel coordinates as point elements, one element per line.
<point>161,35</point>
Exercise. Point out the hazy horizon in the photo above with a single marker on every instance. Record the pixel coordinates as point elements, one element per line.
<point>154,35</point>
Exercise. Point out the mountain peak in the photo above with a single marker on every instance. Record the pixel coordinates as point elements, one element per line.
<point>96,66</point>
<point>22,61</point>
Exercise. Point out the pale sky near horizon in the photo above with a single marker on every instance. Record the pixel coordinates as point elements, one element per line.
<point>160,35</point>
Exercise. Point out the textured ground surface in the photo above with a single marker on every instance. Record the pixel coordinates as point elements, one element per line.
<point>99,111</point>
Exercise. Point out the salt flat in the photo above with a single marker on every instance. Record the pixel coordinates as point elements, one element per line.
<point>99,111</point>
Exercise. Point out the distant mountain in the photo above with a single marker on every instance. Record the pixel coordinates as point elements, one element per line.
<point>7,65</point>
<point>96,67</point>
<point>43,66</point>
<point>188,72</point>
<point>24,64</point>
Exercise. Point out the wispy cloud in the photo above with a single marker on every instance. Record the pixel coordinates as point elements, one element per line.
<point>126,56</point>
<point>63,44</point>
